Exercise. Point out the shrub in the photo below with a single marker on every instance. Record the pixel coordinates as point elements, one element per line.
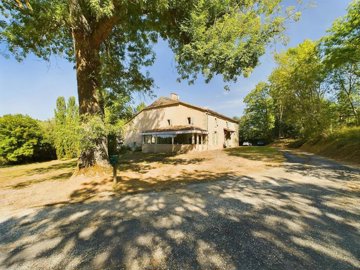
<point>22,140</point>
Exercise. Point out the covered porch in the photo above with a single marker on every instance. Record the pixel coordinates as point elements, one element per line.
<point>176,139</point>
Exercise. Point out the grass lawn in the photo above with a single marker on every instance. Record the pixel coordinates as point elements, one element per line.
<point>259,153</point>
<point>20,176</point>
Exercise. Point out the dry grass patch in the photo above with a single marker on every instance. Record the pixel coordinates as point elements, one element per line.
<point>139,172</point>
<point>257,153</point>
<point>21,176</point>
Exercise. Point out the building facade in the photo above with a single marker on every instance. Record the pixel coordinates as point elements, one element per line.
<point>169,125</point>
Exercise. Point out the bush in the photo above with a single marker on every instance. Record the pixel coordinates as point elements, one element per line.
<point>22,140</point>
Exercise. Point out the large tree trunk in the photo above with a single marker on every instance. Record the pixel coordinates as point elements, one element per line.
<point>88,68</point>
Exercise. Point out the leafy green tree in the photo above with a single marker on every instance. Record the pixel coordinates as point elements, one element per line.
<point>72,128</point>
<point>66,128</point>
<point>342,44</point>
<point>344,82</point>
<point>22,140</point>
<point>297,89</point>
<point>140,107</point>
<point>341,50</point>
<point>258,120</point>
<point>111,41</point>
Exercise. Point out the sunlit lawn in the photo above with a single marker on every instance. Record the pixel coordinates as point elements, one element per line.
<point>20,176</point>
<point>259,153</point>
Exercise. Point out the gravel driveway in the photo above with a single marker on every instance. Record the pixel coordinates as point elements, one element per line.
<point>303,214</point>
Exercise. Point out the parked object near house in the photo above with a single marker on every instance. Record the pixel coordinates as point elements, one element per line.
<point>247,144</point>
<point>170,125</point>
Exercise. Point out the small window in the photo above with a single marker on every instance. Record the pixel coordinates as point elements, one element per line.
<point>169,122</point>
<point>189,119</point>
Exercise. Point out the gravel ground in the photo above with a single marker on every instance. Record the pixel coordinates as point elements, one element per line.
<point>303,214</point>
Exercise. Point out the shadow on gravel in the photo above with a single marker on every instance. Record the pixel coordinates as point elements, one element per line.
<point>237,223</point>
<point>316,166</point>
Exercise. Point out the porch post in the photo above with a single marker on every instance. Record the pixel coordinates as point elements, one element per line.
<point>172,144</point>
<point>192,139</point>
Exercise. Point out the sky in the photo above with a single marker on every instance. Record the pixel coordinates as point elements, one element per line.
<point>32,86</point>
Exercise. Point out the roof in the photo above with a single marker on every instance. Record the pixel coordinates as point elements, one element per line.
<point>176,129</point>
<point>167,102</point>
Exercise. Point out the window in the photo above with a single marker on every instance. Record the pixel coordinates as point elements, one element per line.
<point>215,138</point>
<point>169,122</point>
<point>190,121</point>
<point>164,140</point>
<point>148,139</point>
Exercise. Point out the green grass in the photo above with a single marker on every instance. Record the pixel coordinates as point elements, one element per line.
<point>260,153</point>
<point>342,145</point>
<point>20,176</point>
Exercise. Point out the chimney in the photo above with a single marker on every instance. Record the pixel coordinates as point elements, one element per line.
<point>174,96</point>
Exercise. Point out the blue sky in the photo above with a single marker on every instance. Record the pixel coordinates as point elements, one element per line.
<point>32,86</point>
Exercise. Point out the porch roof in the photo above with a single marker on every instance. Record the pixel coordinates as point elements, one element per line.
<point>173,130</point>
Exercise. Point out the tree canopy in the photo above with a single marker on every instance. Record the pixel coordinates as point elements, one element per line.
<point>315,87</point>
<point>22,140</point>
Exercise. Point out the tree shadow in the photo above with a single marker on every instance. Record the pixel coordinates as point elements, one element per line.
<point>319,167</point>
<point>24,184</point>
<point>144,162</point>
<point>228,222</point>
<point>68,164</point>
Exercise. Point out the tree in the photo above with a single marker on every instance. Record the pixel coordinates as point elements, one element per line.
<point>72,128</point>
<point>22,140</point>
<point>345,84</point>
<point>140,107</point>
<point>66,128</point>
<point>258,120</point>
<point>110,42</point>
<point>341,52</point>
<point>342,44</point>
<point>60,120</point>
<point>297,89</point>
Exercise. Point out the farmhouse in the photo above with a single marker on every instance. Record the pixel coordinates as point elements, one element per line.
<point>170,125</point>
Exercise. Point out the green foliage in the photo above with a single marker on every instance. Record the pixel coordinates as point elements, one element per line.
<point>342,44</point>
<point>66,128</point>
<point>207,36</point>
<point>297,85</point>
<point>92,129</point>
<point>140,107</point>
<point>227,37</point>
<point>341,53</point>
<point>344,82</point>
<point>22,140</point>
<point>258,121</point>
